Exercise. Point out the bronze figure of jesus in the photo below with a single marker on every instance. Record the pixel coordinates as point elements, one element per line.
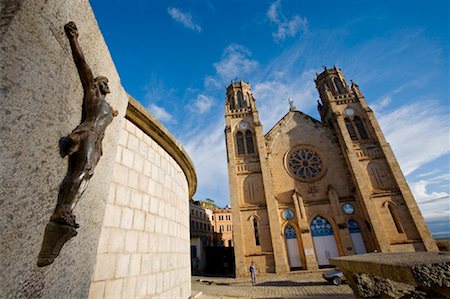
<point>84,148</point>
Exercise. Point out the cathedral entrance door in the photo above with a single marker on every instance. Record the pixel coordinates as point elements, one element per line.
<point>292,247</point>
<point>357,240</point>
<point>323,239</point>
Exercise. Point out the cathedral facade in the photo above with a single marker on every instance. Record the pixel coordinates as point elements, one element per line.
<point>311,190</point>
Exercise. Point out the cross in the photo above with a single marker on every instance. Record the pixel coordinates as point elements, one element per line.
<point>291,102</point>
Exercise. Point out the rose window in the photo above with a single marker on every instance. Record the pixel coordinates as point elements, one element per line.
<point>305,163</point>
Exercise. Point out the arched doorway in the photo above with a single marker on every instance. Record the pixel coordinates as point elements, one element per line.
<point>323,239</point>
<point>357,240</point>
<point>292,247</point>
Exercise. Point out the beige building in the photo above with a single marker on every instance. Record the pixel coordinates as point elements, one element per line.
<point>223,226</point>
<point>201,234</point>
<point>310,190</point>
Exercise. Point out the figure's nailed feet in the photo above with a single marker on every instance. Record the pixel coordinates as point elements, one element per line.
<point>66,218</point>
<point>71,29</point>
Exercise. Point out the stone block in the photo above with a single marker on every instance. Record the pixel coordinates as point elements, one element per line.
<point>133,179</point>
<point>123,265</point>
<point>138,164</point>
<point>143,149</point>
<point>120,174</point>
<point>129,288</point>
<point>143,183</point>
<point>154,202</point>
<point>141,286</point>
<point>105,267</point>
<point>131,241</point>
<point>116,240</point>
<point>146,265</point>
<point>136,199</point>
<point>143,242</point>
<point>147,170</point>
<point>130,127</point>
<point>139,220</point>
<point>133,143</point>
<point>145,202</point>
<point>112,193</point>
<point>159,282</point>
<point>112,215</point>
<point>149,222</point>
<point>122,196</point>
<point>135,264</point>
<point>113,289</point>
<point>127,157</point>
<point>97,290</point>
<point>123,139</point>
<point>151,285</point>
<point>104,240</point>
<point>126,221</point>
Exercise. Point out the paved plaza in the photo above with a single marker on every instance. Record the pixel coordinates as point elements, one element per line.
<point>298,285</point>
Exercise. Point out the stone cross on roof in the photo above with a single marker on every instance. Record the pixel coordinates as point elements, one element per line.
<point>291,105</point>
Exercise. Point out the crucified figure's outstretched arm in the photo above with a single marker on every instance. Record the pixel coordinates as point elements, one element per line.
<point>86,76</point>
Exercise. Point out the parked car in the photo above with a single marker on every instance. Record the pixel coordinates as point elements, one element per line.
<point>334,276</point>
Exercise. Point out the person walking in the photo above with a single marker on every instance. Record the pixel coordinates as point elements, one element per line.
<point>253,273</point>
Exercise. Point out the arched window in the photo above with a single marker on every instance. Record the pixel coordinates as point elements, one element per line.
<point>240,143</point>
<point>289,232</point>
<point>360,126</point>
<point>321,227</point>
<point>394,215</point>
<point>340,88</point>
<point>240,100</point>
<point>249,142</point>
<point>231,102</point>
<point>255,228</point>
<point>351,129</point>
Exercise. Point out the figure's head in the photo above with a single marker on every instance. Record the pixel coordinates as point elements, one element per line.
<point>102,83</point>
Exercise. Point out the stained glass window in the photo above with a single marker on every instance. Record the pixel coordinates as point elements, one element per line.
<point>289,232</point>
<point>360,126</point>
<point>305,163</point>
<point>353,227</point>
<point>351,129</point>
<point>321,227</point>
<point>249,142</point>
<point>240,143</point>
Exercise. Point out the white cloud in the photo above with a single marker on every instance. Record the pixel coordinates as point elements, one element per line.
<point>161,114</point>
<point>184,18</point>
<point>201,104</point>
<point>272,96</point>
<point>206,147</point>
<point>418,133</point>
<point>381,103</point>
<point>435,206</point>
<point>235,62</point>
<point>285,27</point>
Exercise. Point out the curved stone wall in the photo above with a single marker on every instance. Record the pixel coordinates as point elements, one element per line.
<point>144,247</point>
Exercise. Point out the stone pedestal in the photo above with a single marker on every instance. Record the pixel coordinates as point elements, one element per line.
<point>397,275</point>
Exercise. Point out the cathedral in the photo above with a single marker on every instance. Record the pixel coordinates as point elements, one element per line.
<point>310,190</point>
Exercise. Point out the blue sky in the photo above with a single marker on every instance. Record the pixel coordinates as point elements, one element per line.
<point>176,57</point>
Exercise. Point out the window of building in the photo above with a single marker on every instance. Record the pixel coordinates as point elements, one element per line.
<point>339,86</point>
<point>240,143</point>
<point>240,100</point>
<point>249,142</point>
<point>361,129</point>
<point>222,229</point>
<point>255,228</point>
<point>394,215</point>
<point>351,129</point>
